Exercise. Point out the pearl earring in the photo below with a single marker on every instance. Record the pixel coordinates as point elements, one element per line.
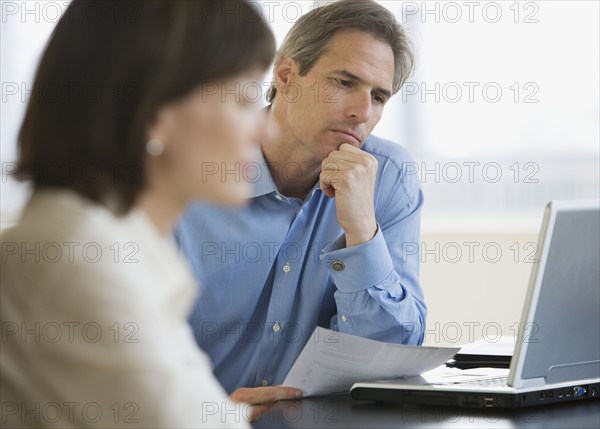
<point>155,147</point>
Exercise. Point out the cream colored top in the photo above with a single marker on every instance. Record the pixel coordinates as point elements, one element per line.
<point>94,324</point>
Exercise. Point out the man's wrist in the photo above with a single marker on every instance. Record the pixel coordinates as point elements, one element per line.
<point>355,239</point>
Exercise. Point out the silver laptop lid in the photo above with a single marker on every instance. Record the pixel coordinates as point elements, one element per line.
<point>559,337</point>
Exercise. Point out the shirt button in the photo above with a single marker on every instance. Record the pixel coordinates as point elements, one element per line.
<point>276,327</point>
<point>286,268</point>
<point>265,382</point>
<point>279,197</point>
<point>344,318</point>
<point>338,266</point>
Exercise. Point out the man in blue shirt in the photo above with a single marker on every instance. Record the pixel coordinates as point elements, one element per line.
<point>330,232</point>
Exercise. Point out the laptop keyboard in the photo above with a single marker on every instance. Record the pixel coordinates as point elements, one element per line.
<point>492,381</point>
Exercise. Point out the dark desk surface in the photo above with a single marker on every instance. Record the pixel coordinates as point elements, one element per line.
<point>340,411</point>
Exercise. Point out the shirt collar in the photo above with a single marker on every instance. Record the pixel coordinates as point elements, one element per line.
<point>264,183</point>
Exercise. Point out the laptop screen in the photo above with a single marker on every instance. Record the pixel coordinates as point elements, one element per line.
<point>564,340</point>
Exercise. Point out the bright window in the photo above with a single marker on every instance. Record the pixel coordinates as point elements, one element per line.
<point>501,115</point>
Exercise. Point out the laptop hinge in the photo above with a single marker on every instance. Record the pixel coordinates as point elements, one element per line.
<point>530,383</point>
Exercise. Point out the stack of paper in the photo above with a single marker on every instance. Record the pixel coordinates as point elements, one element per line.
<point>332,362</point>
<point>484,353</point>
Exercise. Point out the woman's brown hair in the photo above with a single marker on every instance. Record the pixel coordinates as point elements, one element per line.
<point>109,67</point>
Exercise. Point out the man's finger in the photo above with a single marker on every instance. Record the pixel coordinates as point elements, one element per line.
<point>328,177</point>
<point>347,147</point>
<point>259,395</point>
<point>332,166</point>
<point>328,190</point>
<point>346,156</point>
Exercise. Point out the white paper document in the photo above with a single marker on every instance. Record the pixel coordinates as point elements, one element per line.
<point>445,375</point>
<point>504,346</point>
<point>332,362</point>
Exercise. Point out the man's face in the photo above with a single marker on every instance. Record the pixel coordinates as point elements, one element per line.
<point>341,99</point>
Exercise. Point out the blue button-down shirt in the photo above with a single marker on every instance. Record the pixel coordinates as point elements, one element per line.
<point>275,269</point>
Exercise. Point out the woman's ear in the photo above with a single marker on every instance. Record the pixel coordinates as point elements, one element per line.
<point>155,138</point>
<point>158,129</point>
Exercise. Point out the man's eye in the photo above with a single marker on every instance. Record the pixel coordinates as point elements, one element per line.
<point>379,99</point>
<point>345,83</point>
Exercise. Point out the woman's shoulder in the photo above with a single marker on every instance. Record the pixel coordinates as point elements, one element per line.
<point>59,215</point>
<point>68,248</point>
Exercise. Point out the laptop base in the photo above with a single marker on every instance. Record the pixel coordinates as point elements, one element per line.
<point>479,399</point>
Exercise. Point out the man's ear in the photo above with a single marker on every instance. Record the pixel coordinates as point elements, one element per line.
<point>284,71</point>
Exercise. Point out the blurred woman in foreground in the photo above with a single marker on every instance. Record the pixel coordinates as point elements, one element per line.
<point>134,106</point>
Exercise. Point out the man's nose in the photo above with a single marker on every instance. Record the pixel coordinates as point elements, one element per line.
<point>360,106</point>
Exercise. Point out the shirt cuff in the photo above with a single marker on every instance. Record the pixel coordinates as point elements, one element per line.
<point>360,267</point>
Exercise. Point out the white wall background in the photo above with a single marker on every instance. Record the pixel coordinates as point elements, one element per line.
<point>501,116</point>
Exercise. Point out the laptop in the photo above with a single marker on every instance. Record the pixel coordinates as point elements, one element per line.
<point>557,354</point>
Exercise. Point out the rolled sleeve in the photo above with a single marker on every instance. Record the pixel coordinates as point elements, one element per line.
<point>359,267</point>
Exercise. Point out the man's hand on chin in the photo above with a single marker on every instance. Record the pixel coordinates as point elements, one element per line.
<point>348,174</point>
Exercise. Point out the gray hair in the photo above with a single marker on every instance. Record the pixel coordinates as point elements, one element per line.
<point>310,36</point>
